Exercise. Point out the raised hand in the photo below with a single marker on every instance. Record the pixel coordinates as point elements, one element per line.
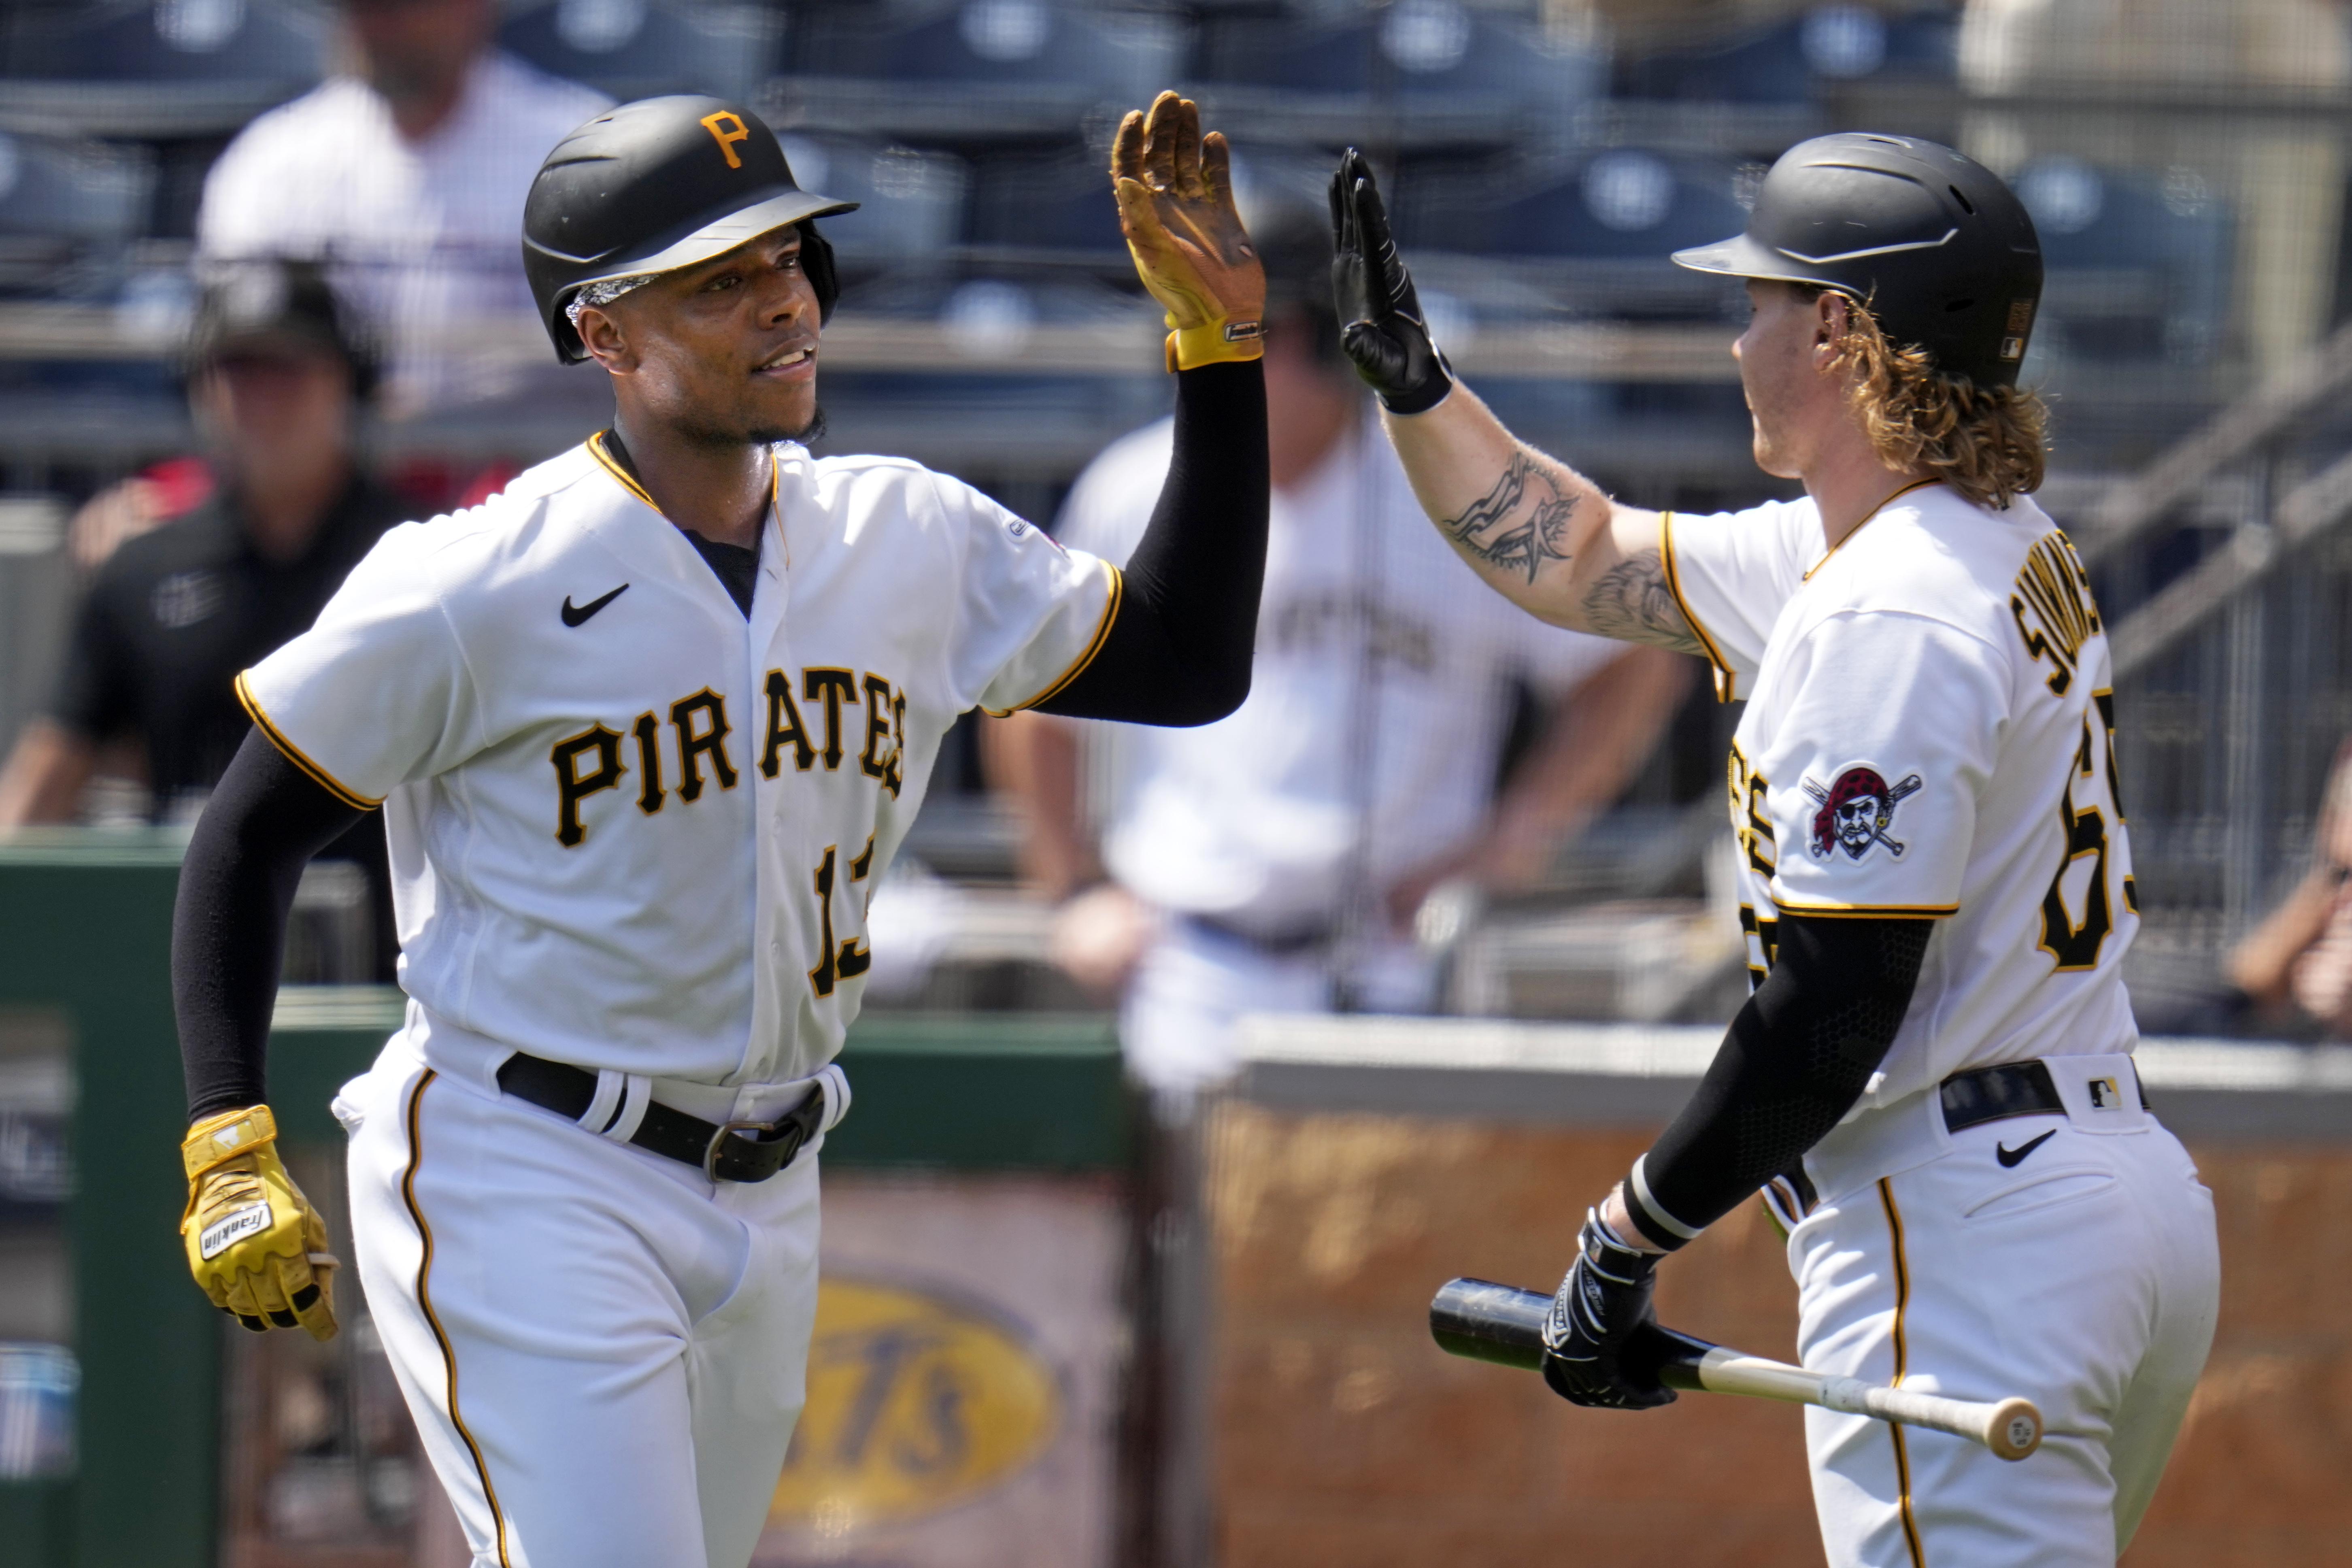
<point>1382,325</point>
<point>1176,207</point>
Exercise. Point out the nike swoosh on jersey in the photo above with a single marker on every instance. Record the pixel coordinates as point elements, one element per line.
<point>577,615</point>
<point>2008,1156</point>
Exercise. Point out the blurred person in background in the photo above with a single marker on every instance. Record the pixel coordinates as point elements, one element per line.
<point>408,172</point>
<point>277,377</point>
<point>2294,972</point>
<point>1276,861</point>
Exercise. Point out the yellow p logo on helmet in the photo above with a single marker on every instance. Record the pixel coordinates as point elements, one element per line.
<point>727,128</point>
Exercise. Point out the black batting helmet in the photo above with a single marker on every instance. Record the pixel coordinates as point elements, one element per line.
<point>276,302</point>
<point>656,184</point>
<point>1940,250</point>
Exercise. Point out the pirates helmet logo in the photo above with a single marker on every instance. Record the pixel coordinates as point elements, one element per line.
<point>1855,812</point>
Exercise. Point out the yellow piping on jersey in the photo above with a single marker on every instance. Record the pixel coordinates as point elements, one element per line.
<point>1724,679</point>
<point>1857,528</point>
<point>1078,666</point>
<point>318,776</point>
<point>1901,1366</point>
<point>425,1300</point>
<point>1865,911</point>
<point>596,450</point>
<point>776,506</point>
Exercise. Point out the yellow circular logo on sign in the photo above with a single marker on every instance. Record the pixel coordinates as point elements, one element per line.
<point>915,1403</point>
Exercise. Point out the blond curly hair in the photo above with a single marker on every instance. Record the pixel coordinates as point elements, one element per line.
<point>1986,443</point>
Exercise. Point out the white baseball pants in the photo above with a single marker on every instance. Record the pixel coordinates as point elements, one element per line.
<point>2081,1271</point>
<point>604,1352</point>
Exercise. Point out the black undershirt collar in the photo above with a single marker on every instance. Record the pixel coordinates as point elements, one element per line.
<point>737,568</point>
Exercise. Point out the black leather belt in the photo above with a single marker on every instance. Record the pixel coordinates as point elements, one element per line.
<point>2013,1089</point>
<point>724,1151</point>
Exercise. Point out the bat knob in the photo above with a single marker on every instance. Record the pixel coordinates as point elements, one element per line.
<point>2013,1429</point>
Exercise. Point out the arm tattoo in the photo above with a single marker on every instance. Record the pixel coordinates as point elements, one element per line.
<point>1519,524</point>
<point>1632,603</point>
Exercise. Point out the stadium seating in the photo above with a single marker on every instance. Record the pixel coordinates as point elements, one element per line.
<point>2138,261</point>
<point>157,67</point>
<point>1589,231</point>
<point>72,190</point>
<point>911,202</point>
<point>981,70</point>
<point>1399,72</point>
<point>635,48</point>
<point>1793,61</point>
<point>1058,201</point>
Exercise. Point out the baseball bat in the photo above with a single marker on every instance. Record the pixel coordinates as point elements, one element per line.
<point>1501,1323</point>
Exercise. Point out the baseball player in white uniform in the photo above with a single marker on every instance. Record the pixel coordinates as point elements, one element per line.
<point>1273,861</point>
<point>646,730</point>
<point>1933,1079</point>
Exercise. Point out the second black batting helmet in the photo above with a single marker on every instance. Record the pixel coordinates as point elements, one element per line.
<point>658,185</point>
<point>271,304</point>
<point>1940,250</point>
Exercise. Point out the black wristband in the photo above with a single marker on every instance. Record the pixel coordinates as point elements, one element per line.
<point>1426,394</point>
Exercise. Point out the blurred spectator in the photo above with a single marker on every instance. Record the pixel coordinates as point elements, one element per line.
<point>409,175</point>
<point>2299,961</point>
<point>123,513</point>
<point>1276,860</point>
<point>274,382</point>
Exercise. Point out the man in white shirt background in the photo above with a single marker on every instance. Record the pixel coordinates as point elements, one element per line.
<point>1276,861</point>
<point>408,172</point>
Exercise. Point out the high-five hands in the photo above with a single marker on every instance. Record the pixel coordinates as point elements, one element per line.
<point>1604,1298</point>
<point>1176,207</point>
<point>1381,324</point>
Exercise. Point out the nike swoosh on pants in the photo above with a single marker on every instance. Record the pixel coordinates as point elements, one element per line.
<point>2008,1156</point>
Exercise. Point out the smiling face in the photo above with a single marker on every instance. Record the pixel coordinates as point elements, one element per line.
<point>723,353</point>
<point>1788,373</point>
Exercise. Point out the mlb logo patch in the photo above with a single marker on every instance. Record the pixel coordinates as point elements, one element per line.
<point>2105,1095</point>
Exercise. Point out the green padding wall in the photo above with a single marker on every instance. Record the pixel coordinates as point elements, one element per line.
<point>983,1091</point>
<point>85,931</point>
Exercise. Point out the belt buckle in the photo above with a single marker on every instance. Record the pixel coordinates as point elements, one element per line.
<point>719,1138</point>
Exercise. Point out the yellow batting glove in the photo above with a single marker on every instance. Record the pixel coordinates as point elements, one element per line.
<point>1176,207</point>
<point>254,1242</point>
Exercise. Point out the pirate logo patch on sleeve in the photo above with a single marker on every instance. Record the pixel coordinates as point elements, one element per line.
<point>1856,812</point>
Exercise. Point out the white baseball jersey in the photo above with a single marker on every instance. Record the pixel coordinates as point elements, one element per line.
<point>1929,731</point>
<point>631,829</point>
<point>1378,698</point>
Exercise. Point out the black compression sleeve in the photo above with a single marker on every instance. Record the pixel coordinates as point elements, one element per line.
<point>229,928</point>
<point>1794,1062</point>
<point>1178,651</point>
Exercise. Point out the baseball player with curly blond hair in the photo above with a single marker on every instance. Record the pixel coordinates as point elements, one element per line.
<point>1933,1080</point>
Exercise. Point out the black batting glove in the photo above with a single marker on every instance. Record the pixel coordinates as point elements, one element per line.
<point>1604,1298</point>
<point>1382,325</point>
